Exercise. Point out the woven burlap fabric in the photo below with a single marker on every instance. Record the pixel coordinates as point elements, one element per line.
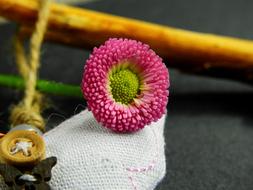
<point>92,157</point>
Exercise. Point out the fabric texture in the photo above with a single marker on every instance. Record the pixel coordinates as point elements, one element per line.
<point>93,157</point>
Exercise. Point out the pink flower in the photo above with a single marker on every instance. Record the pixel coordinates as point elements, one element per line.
<point>125,84</point>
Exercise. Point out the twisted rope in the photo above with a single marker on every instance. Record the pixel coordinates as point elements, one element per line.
<point>28,110</point>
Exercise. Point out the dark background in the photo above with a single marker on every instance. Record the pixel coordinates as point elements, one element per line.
<point>209,128</point>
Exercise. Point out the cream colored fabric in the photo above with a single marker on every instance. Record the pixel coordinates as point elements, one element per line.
<point>92,157</point>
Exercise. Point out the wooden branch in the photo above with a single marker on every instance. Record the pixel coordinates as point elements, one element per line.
<point>186,50</point>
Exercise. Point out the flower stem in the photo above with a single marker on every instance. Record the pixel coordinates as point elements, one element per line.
<point>44,86</point>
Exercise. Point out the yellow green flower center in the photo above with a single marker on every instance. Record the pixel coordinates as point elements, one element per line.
<point>124,86</point>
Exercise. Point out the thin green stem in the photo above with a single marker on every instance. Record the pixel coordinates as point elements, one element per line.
<point>44,86</point>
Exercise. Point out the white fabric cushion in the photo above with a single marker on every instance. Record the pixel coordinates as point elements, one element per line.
<point>92,157</point>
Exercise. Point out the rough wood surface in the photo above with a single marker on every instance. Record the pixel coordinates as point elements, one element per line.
<point>189,51</point>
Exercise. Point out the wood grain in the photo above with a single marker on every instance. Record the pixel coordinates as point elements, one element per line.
<point>189,51</point>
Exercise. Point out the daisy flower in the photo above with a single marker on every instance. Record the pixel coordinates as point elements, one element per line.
<point>125,84</point>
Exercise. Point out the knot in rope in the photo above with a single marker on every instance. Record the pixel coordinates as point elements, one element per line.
<point>28,110</point>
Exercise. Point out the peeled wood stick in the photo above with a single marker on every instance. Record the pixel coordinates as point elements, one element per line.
<point>184,49</point>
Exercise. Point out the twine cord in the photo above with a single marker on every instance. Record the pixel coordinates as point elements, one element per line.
<point>28,110</point>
